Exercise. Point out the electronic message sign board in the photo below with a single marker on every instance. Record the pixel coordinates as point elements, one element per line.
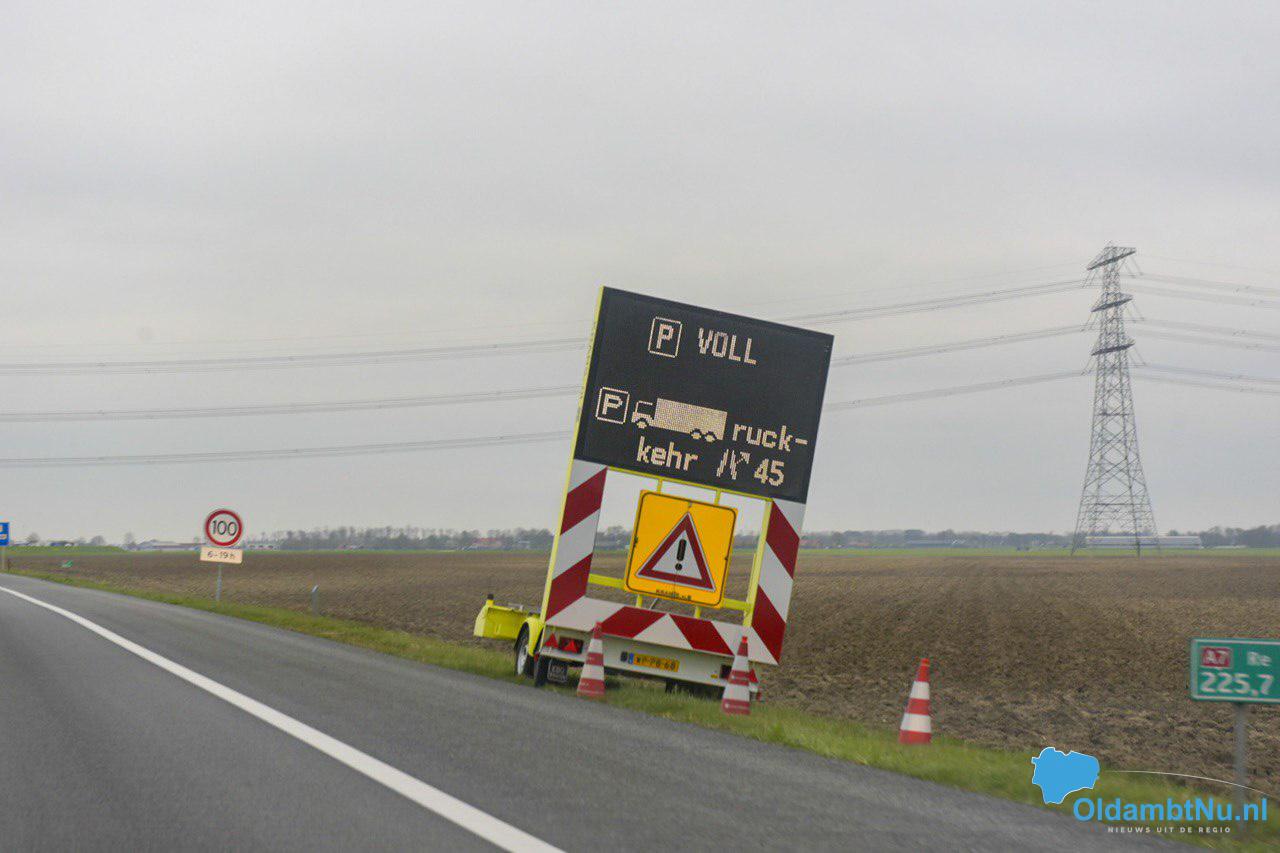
<point>703,396</point>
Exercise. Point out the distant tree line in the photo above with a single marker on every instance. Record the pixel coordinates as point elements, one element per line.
<point>1263,536</point>
<point>915,537</point>
<point>407,539</point>
<point>618,538</point>
<point>96,541</point>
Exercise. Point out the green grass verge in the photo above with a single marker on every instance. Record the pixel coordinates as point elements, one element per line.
<point>999,773</point>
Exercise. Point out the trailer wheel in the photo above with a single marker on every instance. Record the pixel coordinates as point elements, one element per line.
<point>524,660</point>
<point>540,670</point>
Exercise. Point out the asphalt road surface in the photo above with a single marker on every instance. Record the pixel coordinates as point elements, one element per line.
<point>128,724</point>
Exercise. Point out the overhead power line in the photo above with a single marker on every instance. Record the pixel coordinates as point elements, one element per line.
<point>276,362</point>
<point>955,346</point>
<point>555,435</point>
<point>288,408</point>
<point>1271,304</point>
<point>1210,374</point>
<point>1217,342</point>
<point>1215,386</point>
<point>389,403</point>
<point>952,391</point>
<point>489,325</point>
<point>436,444</point>
<point>1211,264</point>
<point>384,403</point>
<point>939,304</point>
<point>1208,284</point>
<point>368,357</point>
<point>1228,331</point>
<point>938,286</point>
<point>292,453</point>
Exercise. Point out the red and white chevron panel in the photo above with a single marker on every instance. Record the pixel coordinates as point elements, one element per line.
<point>777,573</point>
<point>577,540</point>
<point>568,605</point>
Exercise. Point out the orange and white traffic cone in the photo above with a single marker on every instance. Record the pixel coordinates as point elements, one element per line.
<point>591,682</point>
<point>917,722</point>
<point>737,693</point>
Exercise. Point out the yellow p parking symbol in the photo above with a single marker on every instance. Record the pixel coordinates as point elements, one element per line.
<point>664,337</point>
<point>611,405</point>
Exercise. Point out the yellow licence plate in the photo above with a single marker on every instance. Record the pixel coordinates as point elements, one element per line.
<point>653,662</point>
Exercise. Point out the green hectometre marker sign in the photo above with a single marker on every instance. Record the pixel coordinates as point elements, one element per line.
<point>1235,670</point>
<point>1244,673</point>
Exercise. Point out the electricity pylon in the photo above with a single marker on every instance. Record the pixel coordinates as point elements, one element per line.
<point>1114,499</point>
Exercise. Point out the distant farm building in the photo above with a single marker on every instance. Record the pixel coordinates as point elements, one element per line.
<point>160,545</point>
<point>1118,541</point>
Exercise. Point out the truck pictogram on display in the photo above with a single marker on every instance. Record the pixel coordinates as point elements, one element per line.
<point>697,422</point>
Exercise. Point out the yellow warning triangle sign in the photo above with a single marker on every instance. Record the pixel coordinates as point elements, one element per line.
<point>679,558</point>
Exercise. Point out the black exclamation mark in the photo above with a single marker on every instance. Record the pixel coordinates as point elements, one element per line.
<point>680,554</point>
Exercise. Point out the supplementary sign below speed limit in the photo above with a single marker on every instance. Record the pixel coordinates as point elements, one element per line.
<point>223,528</point>
<point>1235,670</point>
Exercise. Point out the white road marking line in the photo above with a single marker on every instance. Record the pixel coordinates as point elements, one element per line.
<point>466,816</point>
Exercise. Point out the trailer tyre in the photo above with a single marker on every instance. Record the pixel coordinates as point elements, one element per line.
<point>540,670</point>
<point>524,660</point>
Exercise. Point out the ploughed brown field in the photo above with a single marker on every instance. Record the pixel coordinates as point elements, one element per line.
<point>1029,651</point>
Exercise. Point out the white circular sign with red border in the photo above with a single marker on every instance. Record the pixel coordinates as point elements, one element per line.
<point>223,528</point>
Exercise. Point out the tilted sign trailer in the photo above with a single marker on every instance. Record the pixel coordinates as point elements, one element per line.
<point>684,395</point>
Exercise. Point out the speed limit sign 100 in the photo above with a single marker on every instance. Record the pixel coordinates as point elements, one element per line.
<point>223,528</point>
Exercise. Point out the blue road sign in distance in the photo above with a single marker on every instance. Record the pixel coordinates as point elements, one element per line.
<point>4,533</point>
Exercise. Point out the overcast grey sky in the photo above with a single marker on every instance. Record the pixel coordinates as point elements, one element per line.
<point>181,180</point>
